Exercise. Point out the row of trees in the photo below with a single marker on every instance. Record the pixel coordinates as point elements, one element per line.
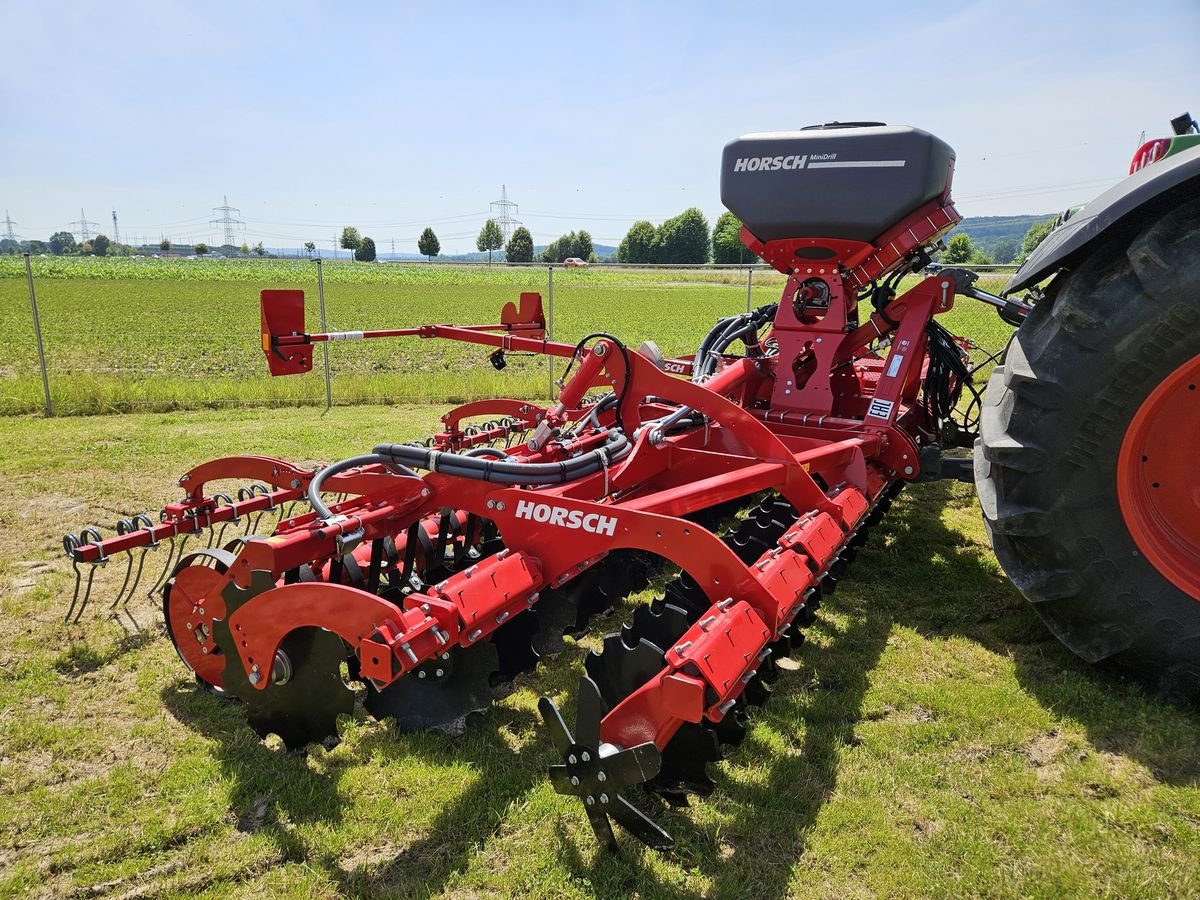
<point>683,239</point>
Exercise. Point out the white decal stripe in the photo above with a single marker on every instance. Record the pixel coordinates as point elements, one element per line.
<point>859,164</point>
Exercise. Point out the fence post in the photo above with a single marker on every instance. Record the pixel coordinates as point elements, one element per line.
<point>37,331</point>
<point>324,328</point>
<point>550,322</point>
<point>749,285</point>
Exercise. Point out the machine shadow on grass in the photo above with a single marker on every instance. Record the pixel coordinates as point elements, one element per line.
<point>915,571</point>
<point>273,786</point>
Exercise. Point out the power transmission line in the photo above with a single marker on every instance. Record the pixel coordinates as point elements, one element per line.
<point>504,212</point>
<point>9,234</point>
<point>83,223</point>
<point>228,219</point>
<point>116,230</point>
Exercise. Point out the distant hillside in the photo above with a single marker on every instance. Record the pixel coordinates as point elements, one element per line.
<point>988,233</point>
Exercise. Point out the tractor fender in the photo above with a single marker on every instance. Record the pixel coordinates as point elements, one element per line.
<point>1179,174</point>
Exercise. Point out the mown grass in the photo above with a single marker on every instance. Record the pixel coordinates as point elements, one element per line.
<point>931,740</point>
<point>137,335</point>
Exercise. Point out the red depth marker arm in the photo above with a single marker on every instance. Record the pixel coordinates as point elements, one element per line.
<point>288,347</point>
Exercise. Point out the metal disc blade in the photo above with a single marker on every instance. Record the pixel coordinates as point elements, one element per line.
<point>782,648</point>
<point>440,702</point>
<point>748,547</point>
<point>684,593</point>
<point>514,646</point>
<point>304,709</point>
<point>619,670</point>
<point>684,760</point>
<point>555,615</point>
<point>756,693</point>
<point>662,625</point>
<point>768,671</point>
<point>731,730</point>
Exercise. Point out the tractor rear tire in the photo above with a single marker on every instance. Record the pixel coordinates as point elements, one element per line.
<point>1102,539</point>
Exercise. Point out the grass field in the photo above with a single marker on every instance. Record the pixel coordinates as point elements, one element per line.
<point>137,334</point>
<point>932,739</point>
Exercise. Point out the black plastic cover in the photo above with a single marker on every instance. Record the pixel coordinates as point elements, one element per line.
<point>1072,238</point>
<point>845,182</point>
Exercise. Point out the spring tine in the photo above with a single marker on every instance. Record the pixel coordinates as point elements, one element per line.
<point>88,536</point>
<point>125,526</point>
<point>162,576</point>
<point>125,582</point>
<point>87,594</point>
<point>137,579</point>
<point>225,500</point>
<point>71,542</point>
<point>139,521</point>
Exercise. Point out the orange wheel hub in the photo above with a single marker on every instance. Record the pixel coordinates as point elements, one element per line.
<point>1158,478</point>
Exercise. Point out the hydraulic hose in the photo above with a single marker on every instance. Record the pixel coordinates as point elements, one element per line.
<point>503,471</point>
<point>486,451</point>
<point>725,332</point>
<point>314,486</point>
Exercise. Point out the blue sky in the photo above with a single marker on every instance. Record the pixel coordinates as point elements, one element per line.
<point>391,116</point>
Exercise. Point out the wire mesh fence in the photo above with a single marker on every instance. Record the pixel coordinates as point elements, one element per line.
<point>135,344</point>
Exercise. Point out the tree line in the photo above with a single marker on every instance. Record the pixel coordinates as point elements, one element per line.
<point>684,239</point>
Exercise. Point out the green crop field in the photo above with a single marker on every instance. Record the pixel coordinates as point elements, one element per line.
<point>931,739</point>
<point>141,334</point>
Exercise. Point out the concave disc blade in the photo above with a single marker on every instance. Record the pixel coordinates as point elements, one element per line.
<point>556,615</point>
<point>514,643</point>
<point>439,702</point>
<point>619,670</point>
<point>304,708</point>
<point>661,625</point>
<point>684,762</point>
